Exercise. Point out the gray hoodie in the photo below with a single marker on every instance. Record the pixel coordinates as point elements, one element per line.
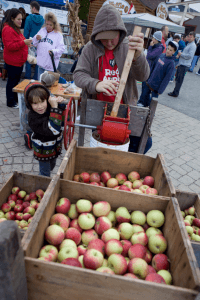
<point>187,54</point>
<point>87,70</point>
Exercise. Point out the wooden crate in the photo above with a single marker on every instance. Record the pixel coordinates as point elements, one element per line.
<point>26,182</point>
<point>80,159</point>
<point>50,281</point>
<point>185,200</point>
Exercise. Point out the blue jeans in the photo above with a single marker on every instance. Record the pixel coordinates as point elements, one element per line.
<point>46,167</point>
<point>174,71</point>
<point>40,72</point>
<point>193,63</point>
<point>181,71</point>
<point>28,71</point>
<point>145,97</point>
<point>14,74</point>
<point>134,144</point>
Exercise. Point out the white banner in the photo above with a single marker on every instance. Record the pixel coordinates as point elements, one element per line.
<point>60,14</point>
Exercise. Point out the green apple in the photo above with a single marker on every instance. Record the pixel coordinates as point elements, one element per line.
<point>83,205</point>
<point>66,252</point>
<point>155,218</point>
<point>138,267</point>
<point>117,263</point>
<point>125,230</point>
<point>112,217</point>
<point>189,219</point>
<point>105,263</point>
<point>72,213</point>
<point>189,230</point>
<point>68,243</point>
<point>137,228</point>
<point>152,230</point>
<point>195,237</point>
<point>166,276</point>
<point>80,258</point>
<point>183,214</point>
<point>1,214</point>
<point>157,244</point>
<point>122,215</point>
<point>191,211</point>
<point>110,234</point>
<point>86,221</point>
<point>138,217</point>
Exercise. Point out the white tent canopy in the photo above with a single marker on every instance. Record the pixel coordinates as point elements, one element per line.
<point>150,21</point>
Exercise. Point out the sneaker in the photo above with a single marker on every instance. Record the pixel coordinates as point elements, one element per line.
<point>15,106</point>
<point>140,105</point>
<point>171,81</point>
<point>197,73</point>
<point>27,139</point>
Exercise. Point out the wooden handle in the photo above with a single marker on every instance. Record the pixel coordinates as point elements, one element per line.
<point>125,72</point>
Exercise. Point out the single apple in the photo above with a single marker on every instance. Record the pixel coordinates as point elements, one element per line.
<point>105,176</point>
<point>23,224</point>
<point>1,214</point>
<point>29,210</point>
<point>102,224</point>
<point>183,214</point>
<point>137,251</point>
<point>166,276</point>
<point>32,203</point>
<point>70,261</point>
<point>196,222</point>
<point>83,206</point>
<point>157,244</point>
<point>125,230</point>
<point>26,204</point>
<point>137,228</point>
<point>155,278</point>
<point>84,177</point>
<point>66,252</point>
<point>26,216</point>
<point>61,220</point>
<point>191,211</point>
<point>97,244</point>
<point>39,194</point>
<point>63,206</point>
<point>189,229</point>
<point>151,191</point>
<point>73,234</point>
<point>50,252</point>
<point>152,231</point>
<point>136,184</point>
<point>151,270</point>
<point>33,196</point>
<point>10,215</point>
<point>12,197</point>
<point>124,188</point>
<point>27,198</point>
<point>94,183</point>
<point>68,243</point>
<point>144,188</point>
<point>136,191</point>
<point>155,218</point>
<point>148,180</point>
<point>121,178</point>
<point>195,237</point>
<point>138,267</point>
<point>102,184</point>
<point>112,182</point>
<point>190,219</point>
<point>5,207</point>
<point>15,190</point>
<point>112,217</point>
<point>101,208</point>
<point>21,194</point>
<point>130,275</point>
<point>80,259</point>
<point>19,201</point>
<point>160,262</point>
<point>117,263</point>
<point>139,238</point>
<point>110,234</point>
<point>93,259</point>
<point>132,176</point>
<point>12,203</point>
<point>86,221</point>
<point>19,216</point>
<point>18,208</point>
<point>81,249</point>
<point>105,270</point>
<point>113,246</point>
<point>138,217</point>
<point>88,235</point>
<point>187,223</point>
<point>148,256</point>
<point>126,245</point>
<point>54,235</point>
<point>95,177</point>
<point>122,215</point>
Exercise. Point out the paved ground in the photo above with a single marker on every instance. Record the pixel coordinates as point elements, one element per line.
<point>176,134</point>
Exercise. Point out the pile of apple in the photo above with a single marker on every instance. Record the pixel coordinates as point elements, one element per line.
<point>130,183</point>
<point>21,207</point>
<point>192,224</point>
<point>93,236</point>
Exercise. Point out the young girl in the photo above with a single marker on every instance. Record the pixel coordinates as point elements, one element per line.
<point>45,120</point>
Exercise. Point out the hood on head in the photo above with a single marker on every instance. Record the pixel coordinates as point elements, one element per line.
<point>108,18</point>
<point>32,85</point>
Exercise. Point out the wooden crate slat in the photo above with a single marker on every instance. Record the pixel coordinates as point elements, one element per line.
<point>187,199</point>
<point>68,159</point>
<point>48,281</point>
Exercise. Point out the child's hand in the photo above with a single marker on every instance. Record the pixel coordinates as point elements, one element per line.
<point>53,102</point>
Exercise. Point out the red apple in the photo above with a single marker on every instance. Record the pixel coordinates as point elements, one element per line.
<point>130,275</point>
<point>105,176</point>
<point>33,203</point>
<point>95,177</point>
<point>61,220</point>
<point>196,222</point>
<point>148,180</point>
<point>128,184</point>
<point>148,257</point>
<point>37,205</point>
<point>26,204</point>
<point>39,194</point>
<point>18,208</point>
<point>132,176</point>
<point>151,270</point>
<point>70,261</point>
<point>102,224</point>
<point>84,177</point>
<point>160,262</point>
<point>73,234</point>
<point>12,197</point>
<point>63,206</point>
<point>15,190</point>
<point>26,216</point>
<point>121,178</point>
<point>124,188</point>
<point>81,249</point>
<point>27,198</point>
<point>137,251</point>
<point>94,183</point>
<point>54,235</point>
<point>10,215</point>
<point>93,259</point>
<point>74,223</point>
<point>19,201</point>
<point>29,210</point>
<point>88,235</point>
<point>126,245</point>
<point>19,216</point>
<point>97,244</point>
<point>12,203</point>
<point>6,207</point>
<point>152,277</point>
<point>137,184</point>
<point>151,191</point>
<point>102,184</point>
<point>33,196</point>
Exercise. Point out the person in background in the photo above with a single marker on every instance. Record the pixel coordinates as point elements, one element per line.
<point>102,60</point>
<point>86,40</point>
<point>186,39</point>
<point>170,38</point>
<point>15,53</point>
<point>185,60</point>
<point>23,18</point>
<point>165,31</point>
<point>154,51</point>
<point>4,20</point>
<point>196,57</point>
<point>176,39</point>
<point>45,121</point>
<point>48,39</point>
<point>33,24</point>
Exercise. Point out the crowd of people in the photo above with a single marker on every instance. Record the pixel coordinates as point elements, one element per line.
<point>97,70</point>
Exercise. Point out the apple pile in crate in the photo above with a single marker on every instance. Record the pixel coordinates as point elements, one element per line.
<point>192,224</point>
<point>130,183</point>
<point>93,236</point>
<point>21,207</point>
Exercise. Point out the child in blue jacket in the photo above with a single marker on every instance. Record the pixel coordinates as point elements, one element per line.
<point>160,74</point>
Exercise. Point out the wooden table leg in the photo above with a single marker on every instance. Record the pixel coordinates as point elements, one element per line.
<point>144,135</point>
<point>82,118</point>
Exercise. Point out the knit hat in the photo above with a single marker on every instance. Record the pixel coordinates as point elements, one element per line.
<point>33,85</point>
<point>158,36</point>
<point>173,43</point>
